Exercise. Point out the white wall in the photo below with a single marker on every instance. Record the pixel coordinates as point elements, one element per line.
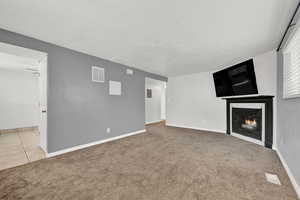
<point>155,106</point>
<point>18,99</point>
<point>192,102</point>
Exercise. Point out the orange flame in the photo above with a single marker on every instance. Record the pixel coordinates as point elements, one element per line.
<point>250,122</point>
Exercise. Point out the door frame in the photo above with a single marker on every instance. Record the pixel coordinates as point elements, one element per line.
<point>43,104</point>
<point>42,57</point>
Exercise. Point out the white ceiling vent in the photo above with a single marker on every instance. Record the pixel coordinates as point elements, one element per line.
<point>98,74</point>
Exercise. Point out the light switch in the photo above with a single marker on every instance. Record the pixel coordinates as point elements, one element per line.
<point>129,71</point>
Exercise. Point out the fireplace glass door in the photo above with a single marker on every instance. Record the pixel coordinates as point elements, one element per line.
<point>247,122</point>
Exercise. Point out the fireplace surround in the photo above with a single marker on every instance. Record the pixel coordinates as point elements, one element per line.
<point>251,119</point>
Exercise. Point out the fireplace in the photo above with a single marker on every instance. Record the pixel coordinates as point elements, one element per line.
<point>251,119</point>
<point>247,121</point>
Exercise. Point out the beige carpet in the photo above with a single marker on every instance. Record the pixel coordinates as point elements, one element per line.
<point>163,163</point>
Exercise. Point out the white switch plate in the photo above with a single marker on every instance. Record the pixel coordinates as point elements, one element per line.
<point>273,178</point>
<point>108,130</point>
<point>115,88</point>
<point>129,71</point>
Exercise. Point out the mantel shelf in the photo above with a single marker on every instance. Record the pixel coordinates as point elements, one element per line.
<point>249,97</point>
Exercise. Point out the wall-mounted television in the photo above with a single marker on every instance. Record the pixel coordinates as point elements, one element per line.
<point>236,80</point>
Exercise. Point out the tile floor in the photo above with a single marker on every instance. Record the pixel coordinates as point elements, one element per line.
<point>19,148</point>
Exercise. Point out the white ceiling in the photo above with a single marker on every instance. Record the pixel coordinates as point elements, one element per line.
<point>168,37</point>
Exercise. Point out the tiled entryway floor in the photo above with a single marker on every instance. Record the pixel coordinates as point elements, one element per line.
<point>19,148</point>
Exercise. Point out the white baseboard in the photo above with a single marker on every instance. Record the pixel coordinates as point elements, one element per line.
<point>289,172</point>
<point>197,128</point>
<point>56,153</point>
<point>153,122</point>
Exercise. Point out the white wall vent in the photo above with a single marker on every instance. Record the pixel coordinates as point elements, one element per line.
<point>98,74</point>
<point>115,88</point>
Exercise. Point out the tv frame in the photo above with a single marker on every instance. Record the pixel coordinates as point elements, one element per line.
<point>248,63</point>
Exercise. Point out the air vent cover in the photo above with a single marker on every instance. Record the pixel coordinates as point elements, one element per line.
<point>98,74</point>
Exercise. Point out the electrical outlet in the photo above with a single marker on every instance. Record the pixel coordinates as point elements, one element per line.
<point>108,130</point>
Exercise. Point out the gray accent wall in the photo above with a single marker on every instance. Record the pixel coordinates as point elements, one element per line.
<point>288,129</point>
<point>79,110</point>
<point>288,122</point>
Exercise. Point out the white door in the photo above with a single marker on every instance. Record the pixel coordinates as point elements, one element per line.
<point>43,104</point>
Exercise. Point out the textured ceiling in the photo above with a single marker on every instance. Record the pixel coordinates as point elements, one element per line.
<point>170,37</point>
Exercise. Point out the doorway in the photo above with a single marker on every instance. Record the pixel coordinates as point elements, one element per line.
<point>23,105</point>
<point>155,101</point>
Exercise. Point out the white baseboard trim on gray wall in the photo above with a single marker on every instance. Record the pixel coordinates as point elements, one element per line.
<point>56,153</point>
<point>153,122</point>
<point>196,128</point>
<point>289,172</point>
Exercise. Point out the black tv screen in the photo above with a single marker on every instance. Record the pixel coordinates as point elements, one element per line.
<point>236,80</point>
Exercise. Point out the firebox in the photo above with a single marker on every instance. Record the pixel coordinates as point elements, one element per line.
<point>247,122</point>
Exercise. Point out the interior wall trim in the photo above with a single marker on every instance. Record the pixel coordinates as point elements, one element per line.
<point>56,153</point>
<point>289,172</point>
<point>155,122</point>
<point>31,128</point>
<point>197,128</point>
